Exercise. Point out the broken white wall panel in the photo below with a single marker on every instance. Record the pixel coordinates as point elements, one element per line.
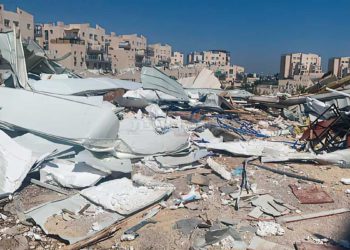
<point>339,158</point>
<point>79,86</point>
<point>104,162</point>
<point>94,127</point>
<point>139,137</point>
<point>154,79</point>
<point>251,148</point>
<point>70,174</point>
<point>123,197</point>
<point>49,218</point>
<point>15,163</point>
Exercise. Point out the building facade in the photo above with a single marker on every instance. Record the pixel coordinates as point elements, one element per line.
<point>54,38</point>
<point>295,65</point>
<point>21,20</point>
<point>126,51</point>
<point>158,54</point>
<point>177,58</point>
<point>217,57</point>
<point>339,66</point>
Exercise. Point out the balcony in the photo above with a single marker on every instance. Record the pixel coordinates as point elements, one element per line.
<point>67,41</point>
<point>95,49</point>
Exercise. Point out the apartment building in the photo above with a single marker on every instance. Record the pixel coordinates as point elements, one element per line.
<point>339,66</point>
<point>217,57</point>
<point>21,20</point>
<point>231,72</point>
<point>195,58</point>
<point>158,54</point>
<point>61,39</point>
<point>297,65</point>
<point>210,57</point>
<point>126,51</point>
<point>177,58</point>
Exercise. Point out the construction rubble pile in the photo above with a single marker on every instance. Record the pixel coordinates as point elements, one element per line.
<point>107,163</point>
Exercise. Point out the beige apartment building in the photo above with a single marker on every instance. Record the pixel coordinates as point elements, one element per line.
<point>84,44</point>
<point>231,72</point>
<point>126,51</point>
<point>210,58</point>
<point>217,57</point>
<point>159,54</point>
<point>339,66</point>
<point>177,58</point>
<point>295,65</point>
<point>21,20</point>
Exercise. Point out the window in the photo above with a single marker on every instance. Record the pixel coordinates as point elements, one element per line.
<point>7,23</point>
<point>15,23</point>
<point>83,34</point>
<point>29,27</point>
<point>51,31</point>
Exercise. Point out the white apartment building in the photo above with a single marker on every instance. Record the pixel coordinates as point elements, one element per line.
<point>339,66</point>
<point>296,65</point>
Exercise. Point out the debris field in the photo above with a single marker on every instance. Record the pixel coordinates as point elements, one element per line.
<point>103,163</point>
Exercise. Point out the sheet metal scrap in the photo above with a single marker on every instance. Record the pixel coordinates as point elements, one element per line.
<point>329,135</point>
<point>310,195</point>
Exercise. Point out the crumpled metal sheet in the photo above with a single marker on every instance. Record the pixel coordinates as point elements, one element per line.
<point>176,161</point>
<point>93,127</point>
<point>104,162</point>
<point>75,229</point>
<point>79,86</point>
<point>12,52</point>
<point>41,146</point>
<point>139,137</point>
<point>154,79</point>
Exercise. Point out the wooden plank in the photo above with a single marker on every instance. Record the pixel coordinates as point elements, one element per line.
<point>312,215</point>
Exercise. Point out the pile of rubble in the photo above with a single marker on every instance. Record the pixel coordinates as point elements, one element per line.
<point>116,164</point>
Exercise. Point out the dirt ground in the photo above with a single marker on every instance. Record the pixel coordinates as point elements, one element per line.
<point>164,235</point>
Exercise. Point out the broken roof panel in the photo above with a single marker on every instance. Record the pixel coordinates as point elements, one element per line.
<point>79,86</point>
<point>154,79</point>
<point>94,127</point>
<point>76,229</point>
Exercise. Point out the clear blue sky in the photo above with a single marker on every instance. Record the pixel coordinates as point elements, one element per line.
<point>256,32</point>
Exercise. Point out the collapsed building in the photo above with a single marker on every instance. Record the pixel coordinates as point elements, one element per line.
<point>104,151</point>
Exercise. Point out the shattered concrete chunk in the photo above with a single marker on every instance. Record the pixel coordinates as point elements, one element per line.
<point>219,169</point>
